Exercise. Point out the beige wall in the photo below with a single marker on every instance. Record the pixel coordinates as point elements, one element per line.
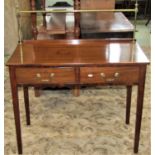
<point>10,24</point>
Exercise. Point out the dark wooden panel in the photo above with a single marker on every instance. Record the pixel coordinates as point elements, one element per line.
<point>97,4</point>
<point>101,35</point>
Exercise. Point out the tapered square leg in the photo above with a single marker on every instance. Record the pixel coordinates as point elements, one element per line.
<point>37,91</point>
<point>128,103</point>
<point>27,108</point>
<point>139,107</point>
<point>76,91</point>
<point>14,90</point>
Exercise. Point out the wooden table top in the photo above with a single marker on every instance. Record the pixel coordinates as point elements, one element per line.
<point>77,53</point>
<point>105,22</point>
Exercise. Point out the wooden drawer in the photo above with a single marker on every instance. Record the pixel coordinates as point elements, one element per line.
<point>44,75</point>
<point>116,75</point>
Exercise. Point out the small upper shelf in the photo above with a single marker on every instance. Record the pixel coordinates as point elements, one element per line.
<point>82,25</point>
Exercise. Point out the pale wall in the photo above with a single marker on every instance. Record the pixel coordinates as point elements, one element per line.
<point>10,24</point>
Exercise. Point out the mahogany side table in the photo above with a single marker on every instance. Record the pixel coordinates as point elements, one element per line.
<point>77,63</point>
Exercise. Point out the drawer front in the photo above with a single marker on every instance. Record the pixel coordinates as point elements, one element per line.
<point>116,75</point>
<point>45,75</point>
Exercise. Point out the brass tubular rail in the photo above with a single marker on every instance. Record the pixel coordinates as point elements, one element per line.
<point>19,32</point>
<point>135,20</point>
<point>74,11</point>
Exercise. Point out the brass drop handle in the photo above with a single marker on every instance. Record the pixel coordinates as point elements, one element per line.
<point>90,75</point>
<point>102,75</point>
<point>38,75</point>
<point>52,75</point>
<point>45,80</point>
<point>110,79</point>
<point>116,75</point>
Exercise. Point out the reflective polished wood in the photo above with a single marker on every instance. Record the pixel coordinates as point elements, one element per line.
<point>76,63</point>
<point>78,53</point>
<point>105,25</point>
